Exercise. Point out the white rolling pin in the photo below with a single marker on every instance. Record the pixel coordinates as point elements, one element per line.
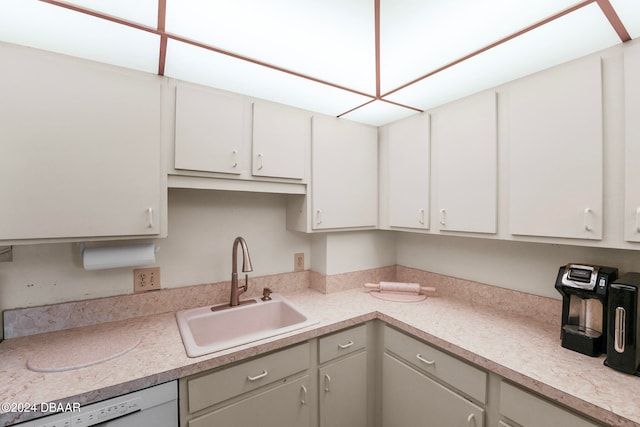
<point>399,287</point>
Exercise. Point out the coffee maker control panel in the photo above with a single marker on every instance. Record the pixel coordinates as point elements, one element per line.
<point>581,276</point>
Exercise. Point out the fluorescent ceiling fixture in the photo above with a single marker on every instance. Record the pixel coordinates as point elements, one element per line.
<point>629,14</point>
<point>420,36</point>
<point>143,12</point>
<point>572,36</point>
<point>43,26</point>
<point>199,65</point>
<point>330,40</point>
<point>378,113</point>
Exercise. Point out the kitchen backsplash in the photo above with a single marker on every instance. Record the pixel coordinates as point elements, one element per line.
<point>48,318</point>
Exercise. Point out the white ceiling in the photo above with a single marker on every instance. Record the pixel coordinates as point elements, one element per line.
<point>372,61</point>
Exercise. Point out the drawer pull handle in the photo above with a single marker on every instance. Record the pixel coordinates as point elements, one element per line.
<point>257,377</point>
<point>471,417</point>
<point>150,218</point>
<point>347,345</point>
<point>423,360</point>
<point>303,401</point>
<point>234,162</point>
<point>327,383</point>
<point>260,161</point>
<point>587,219</point>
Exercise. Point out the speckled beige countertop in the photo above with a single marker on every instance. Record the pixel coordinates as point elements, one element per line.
<point>519,348</point>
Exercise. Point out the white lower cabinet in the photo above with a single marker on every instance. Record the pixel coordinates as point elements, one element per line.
<point>364,376</point>
<point>422,386</point>
<point>279,406</point>
<point>410,398</point>
<point>342,382</point>
<point>269,391</point>
<point>523,409</point>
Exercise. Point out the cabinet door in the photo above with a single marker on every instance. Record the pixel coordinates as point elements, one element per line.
<point>281,136</point>
<point>632,143</point>
<point>344,174</point>
<point>465,143</point>
<point>555,145</point>
<point>343,392</point>
<point>209,131</point>
<point>284,405</point>
<point>409,172</point>
<point>528,410</point>
<point>79,150</point>
<point>410,399</point>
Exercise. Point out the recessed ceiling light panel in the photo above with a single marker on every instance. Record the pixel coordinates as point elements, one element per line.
<point>143,12</point>
<point>202,66</point>
<point>331,40</point>
<point>418,37</point>
<point>629,13</point>
<point>44,26</point>
<point>378,113</point>
<point>570,37</point>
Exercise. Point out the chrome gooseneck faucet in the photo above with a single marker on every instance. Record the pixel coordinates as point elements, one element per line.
<point>236,290</point>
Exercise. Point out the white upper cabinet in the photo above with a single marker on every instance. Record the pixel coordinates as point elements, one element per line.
<point>409,166</point>
<point>632,143</point>
<point>344,189</point>
<point>79,149</point>
<point>465,169</point>
<point>209,130</point>
<point>556,152</point>
<point>281,136</point>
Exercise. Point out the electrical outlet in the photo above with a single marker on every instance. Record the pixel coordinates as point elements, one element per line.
<point>146,279</point>
<point>298,262</point>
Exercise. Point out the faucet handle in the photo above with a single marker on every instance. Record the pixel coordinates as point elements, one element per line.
<point>266,292</point>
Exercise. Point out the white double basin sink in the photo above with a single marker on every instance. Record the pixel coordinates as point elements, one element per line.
<point>205,331</point>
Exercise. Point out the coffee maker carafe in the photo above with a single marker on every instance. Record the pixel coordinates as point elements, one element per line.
<point>584,291</point>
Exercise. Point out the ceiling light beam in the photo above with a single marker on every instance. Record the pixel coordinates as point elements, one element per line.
<point>162,17</point>
<point>614,20</point>
<point>376,7</point>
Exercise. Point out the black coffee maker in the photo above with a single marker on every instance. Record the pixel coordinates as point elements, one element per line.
<point>584,290</point>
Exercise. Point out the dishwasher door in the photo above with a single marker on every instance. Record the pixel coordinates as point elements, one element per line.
<point>155,406</point>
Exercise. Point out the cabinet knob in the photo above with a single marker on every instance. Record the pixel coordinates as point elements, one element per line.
<point>421,216</point>
<point>318,216</point>
<point>303,390</point>
<point>260,161</point>
<point>638,220</point>
<point>471,420</point>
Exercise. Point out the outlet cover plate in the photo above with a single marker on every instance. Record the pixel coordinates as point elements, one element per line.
<point>146,279</point>
<point>298,262</point>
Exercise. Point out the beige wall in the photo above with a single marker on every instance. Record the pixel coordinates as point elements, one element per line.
<point>528,267</point>
<point>202,227</point>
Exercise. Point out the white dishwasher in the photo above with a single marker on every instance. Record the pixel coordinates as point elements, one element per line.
<point>155,406</point>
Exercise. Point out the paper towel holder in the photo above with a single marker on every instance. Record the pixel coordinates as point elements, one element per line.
<point>117,256</point>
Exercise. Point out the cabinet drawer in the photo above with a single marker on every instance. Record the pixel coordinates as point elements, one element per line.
<point>457,373</point>
<point>215,387</point>
<point>341,343</point>
<point>529,410</point>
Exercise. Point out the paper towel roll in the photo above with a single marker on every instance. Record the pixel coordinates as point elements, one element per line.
<point>103,257</point>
